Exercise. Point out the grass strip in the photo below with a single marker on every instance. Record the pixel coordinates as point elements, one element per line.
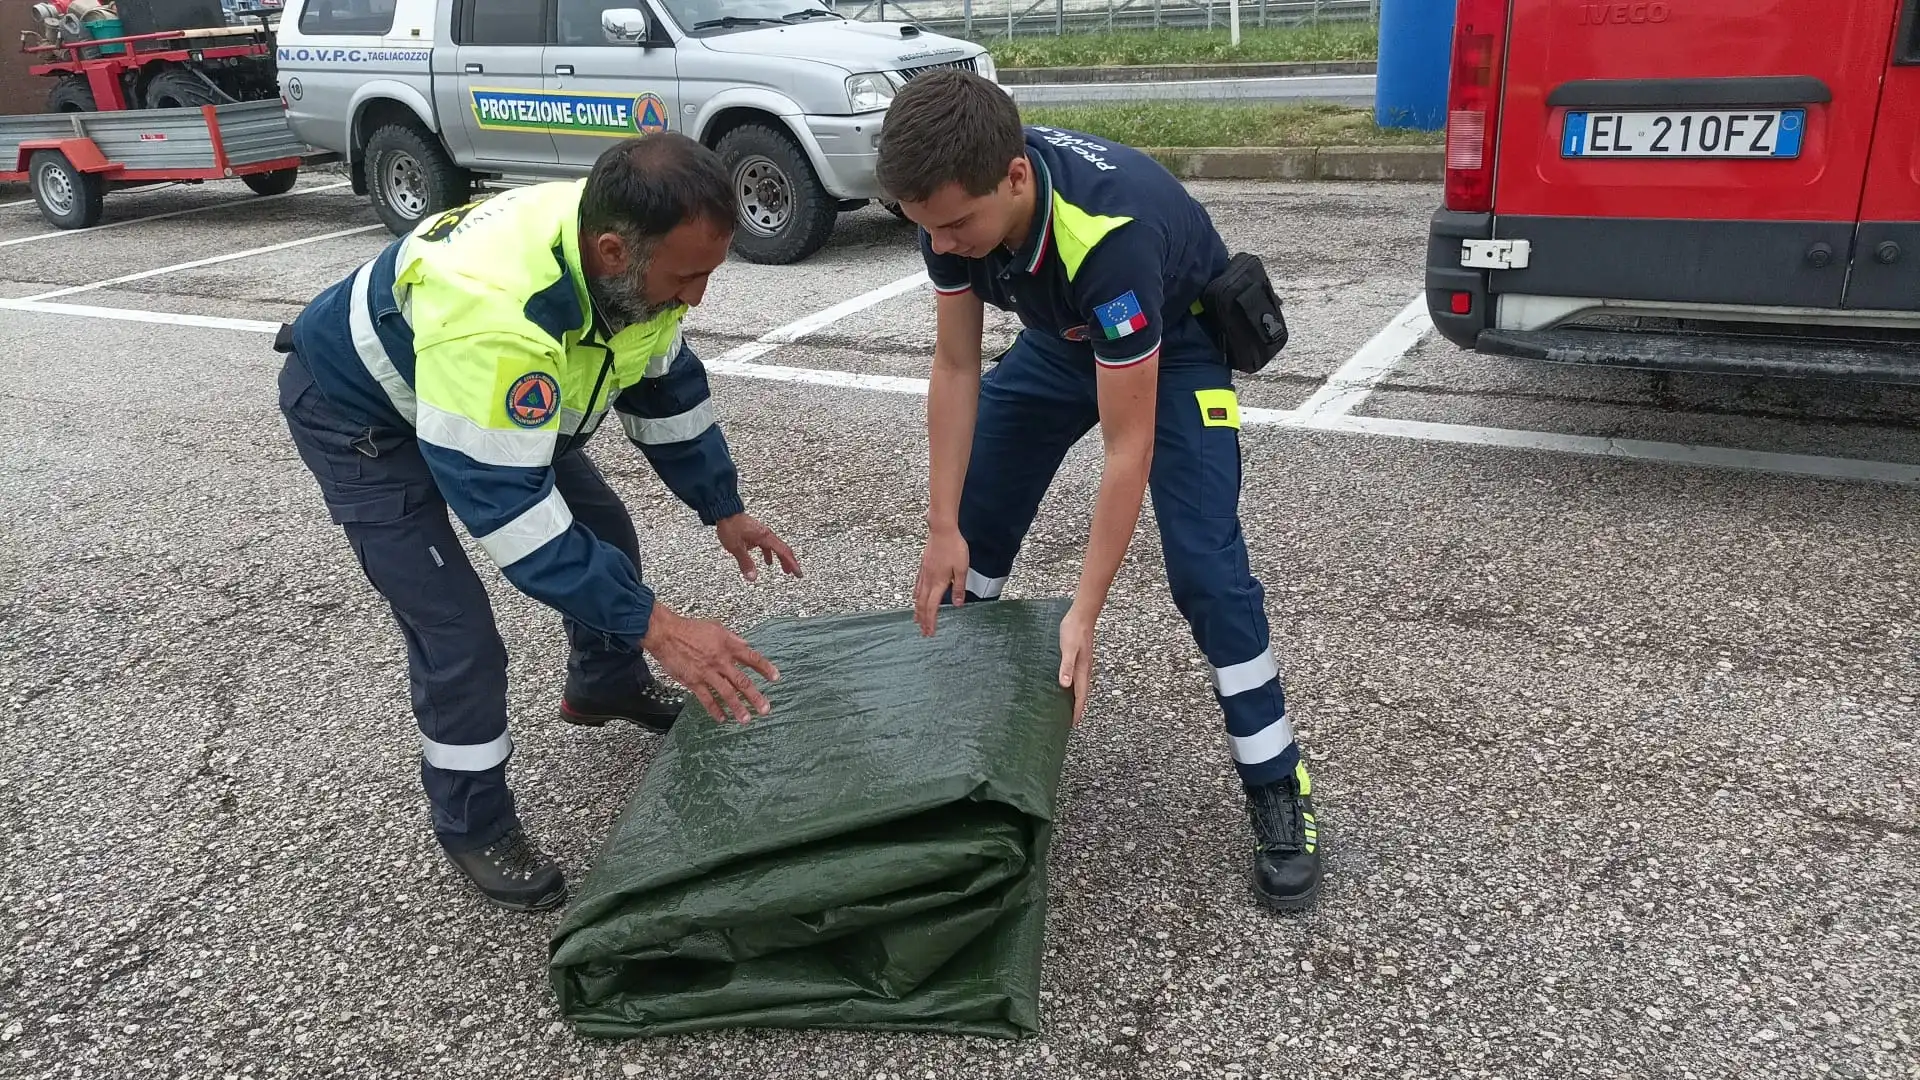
<point>1195,124</point>
<point>1122,48</point>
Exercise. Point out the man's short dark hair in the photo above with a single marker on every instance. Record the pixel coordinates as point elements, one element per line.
<point>948,127</point>
<point>643,187</point>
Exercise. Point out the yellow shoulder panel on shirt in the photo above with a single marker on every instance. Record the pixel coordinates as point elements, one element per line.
<point>1077,232</point>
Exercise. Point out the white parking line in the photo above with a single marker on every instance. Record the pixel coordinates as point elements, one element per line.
<point>1727,457</point>
<point>176,267</point>
<point>1813,465</point>
<point>799,328</point>
<point>849,380</point>
<point>250,200</point>
<point>1356,378</point>
<point>168,318</point>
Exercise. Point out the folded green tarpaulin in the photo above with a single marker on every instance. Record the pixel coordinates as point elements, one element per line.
<point>870,855</point>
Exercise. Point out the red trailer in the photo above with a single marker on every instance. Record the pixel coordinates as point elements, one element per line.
<point>70,159</point>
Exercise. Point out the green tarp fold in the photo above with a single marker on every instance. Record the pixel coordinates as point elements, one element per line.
<point>871,855</point>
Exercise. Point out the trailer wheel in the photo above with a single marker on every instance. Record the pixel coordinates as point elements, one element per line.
<point>277,182</point>
<point>68,198</point>
<point>410,176</point>
<point>785,212</point>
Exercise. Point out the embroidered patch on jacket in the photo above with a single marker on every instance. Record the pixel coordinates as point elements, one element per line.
<point>1121,316</point>
<point>1077,333</point>
<point>533,399</point>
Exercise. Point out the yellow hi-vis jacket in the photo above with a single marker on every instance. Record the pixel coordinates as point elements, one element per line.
<point>476,331</point>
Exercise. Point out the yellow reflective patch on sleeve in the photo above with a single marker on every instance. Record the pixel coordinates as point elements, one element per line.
<point>1219,408</point>
<point>493,381</point>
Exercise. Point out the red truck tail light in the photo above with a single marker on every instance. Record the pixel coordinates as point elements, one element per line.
<point>1473,103</point>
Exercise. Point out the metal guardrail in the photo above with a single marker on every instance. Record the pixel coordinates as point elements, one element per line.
<point>988,19</point>
<point>250,131</point>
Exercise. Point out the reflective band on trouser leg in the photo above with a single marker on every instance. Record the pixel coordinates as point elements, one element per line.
<point>653,431</point>
<point>1264,745</point>
<point>473,757</point>
<point>1256,714</point>
<point>1195,481</point>
<point>373,355</point>
<point>527,533</point>
<point>982,587</point>
<point>1240,678</point>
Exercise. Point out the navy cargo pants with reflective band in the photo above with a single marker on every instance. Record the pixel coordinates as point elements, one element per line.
<point>1034,405</point>
<point>378,489</point>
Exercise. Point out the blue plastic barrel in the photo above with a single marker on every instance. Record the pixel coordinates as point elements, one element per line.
<point>1416,49</point>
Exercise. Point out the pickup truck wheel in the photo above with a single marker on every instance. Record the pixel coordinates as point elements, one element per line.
<point>785,213</point>
<point>277,182</point>
<point>894,209</point>
<point>410,176</point>
<point>68,198</point>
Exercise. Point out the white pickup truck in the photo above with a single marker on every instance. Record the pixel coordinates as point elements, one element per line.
<point>429,99</point>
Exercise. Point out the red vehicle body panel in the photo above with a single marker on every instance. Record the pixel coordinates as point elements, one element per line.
<point>1556,42</point>
<point>1789,247</point>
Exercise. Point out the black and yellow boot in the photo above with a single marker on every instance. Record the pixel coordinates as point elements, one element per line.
<point>1286,855</point>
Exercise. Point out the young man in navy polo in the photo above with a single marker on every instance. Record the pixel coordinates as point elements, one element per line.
<point>1103,255</point>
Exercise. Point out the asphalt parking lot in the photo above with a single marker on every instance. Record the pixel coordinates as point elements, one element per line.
<point>1608,681</point>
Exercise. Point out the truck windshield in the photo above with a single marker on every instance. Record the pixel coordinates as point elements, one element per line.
<point>713,14</point>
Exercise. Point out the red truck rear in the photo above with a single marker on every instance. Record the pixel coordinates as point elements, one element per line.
<point>1701,185</point>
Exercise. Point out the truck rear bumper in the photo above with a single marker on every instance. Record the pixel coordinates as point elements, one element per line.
<point>1760,298</point>
<point>847,148</point>
<point>1452,287</point>
<point>1854,359</point>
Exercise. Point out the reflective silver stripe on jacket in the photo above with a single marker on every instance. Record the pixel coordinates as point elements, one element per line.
<point>526,534</point>
<point>373,355</point>
<point>489,446</point>
<point>668,429</point>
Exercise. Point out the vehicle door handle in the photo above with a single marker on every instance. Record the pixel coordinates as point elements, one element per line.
<point>475,69</point>
<point>563,69</point>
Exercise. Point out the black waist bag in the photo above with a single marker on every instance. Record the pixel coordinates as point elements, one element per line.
<point>1242,313</point>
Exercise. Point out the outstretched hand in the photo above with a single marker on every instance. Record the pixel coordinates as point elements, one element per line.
<point>707,658</point>
<point>743,536</point>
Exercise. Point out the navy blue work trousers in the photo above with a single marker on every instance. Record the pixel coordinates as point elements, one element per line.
<point>378,489</point>
<point>1034,405</point>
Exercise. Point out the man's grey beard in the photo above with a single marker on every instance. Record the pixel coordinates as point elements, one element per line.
<point>620,298</point>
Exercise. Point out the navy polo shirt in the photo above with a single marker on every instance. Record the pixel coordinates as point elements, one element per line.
<point>1116,256</point>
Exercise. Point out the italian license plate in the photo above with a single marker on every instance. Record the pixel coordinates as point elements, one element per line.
<point>1714,133</point>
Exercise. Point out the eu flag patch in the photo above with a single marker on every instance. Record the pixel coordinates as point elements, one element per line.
<point>1121,316</point>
